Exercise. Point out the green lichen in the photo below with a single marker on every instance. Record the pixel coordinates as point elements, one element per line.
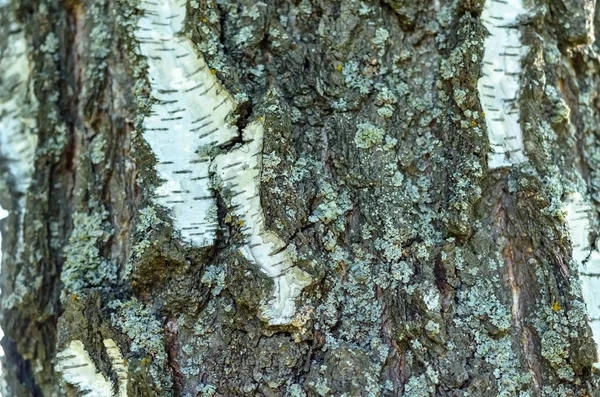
<point>321,387</point>
<point>278,37</point>
<point>432,327</point>
<point>245,34</point>
<point>205,30</point>
<point>358,80</point>
<point>148,219</point>
<point>253,12</point>
<point>295,390</point>
<point>269,162</point>
<point>386,111</point>
<point>559,327</point>
<point>206,390</point>
<point>381,36</point>
<point>138,250</point>
<point>146,338</point>
<point>51,44</point>
<point>418,386</point>
<point>367,135</point>
<point>305,7</point>
<point>331,207</point>
<point>487,321</point>
<point>560,111</point>
<point>460,96</point>
<point>84,266</point>
<point>402,272</point>
<point>555,349</point>
<point>140,325</point>
<point>97,151</point>
<point>214,276</point>
<point>147,222</point>
<point>397,179</point>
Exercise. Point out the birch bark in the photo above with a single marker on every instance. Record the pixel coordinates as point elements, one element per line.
<point>299,197</point>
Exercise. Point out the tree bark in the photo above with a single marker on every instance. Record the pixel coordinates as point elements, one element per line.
<point>299,197</point>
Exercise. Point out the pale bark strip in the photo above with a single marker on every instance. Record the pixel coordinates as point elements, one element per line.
<point>191,112</point>
<point>240,171</point>
<point>499,85</point>
<point>18,130</point>
<point>189,120</point>
<point>586,258</point>
<point>79,370</point>
<point>119,366</point>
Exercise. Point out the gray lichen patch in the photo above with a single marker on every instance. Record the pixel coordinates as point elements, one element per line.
<point>98,146</point>
<point>146,335</point>
<point>84,266</point>
<point>368,135</point>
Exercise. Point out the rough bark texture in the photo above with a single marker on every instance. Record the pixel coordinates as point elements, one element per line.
<point>431,274</point>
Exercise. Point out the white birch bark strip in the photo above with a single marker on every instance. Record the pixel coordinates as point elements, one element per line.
<point>118,365</point>
<point>78,369</point>
<point>499,85</point>
<point>192,111</point>
<point>240,171</point>
<point>18,129</point>
<point>586,258</point>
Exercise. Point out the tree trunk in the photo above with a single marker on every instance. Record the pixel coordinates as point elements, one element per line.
<point>300,197</point>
